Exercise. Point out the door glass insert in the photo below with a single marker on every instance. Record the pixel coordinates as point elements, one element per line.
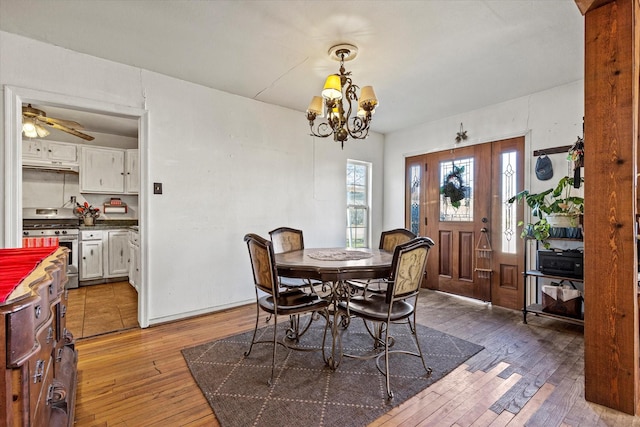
<point>414,194</point>
<point>508,184</point>
<point>456,190</point>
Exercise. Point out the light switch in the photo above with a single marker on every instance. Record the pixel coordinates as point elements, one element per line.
<point>157,188</point>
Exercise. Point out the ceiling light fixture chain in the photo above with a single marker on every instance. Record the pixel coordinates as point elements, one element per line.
<point>332,103</point>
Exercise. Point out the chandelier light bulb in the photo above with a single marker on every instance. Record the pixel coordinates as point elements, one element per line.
<point>315,106</point>
<point>332,87</point>
<point>368,97</point>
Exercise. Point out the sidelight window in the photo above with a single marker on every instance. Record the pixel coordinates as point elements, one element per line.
<point>508,169</point>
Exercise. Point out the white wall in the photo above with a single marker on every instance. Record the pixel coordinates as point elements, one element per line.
<point>229,166</point>
<point>548,119</point>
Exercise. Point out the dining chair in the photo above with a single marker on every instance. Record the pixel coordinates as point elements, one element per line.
<point>289,302</point>
<point>398,304</point>
<point>388,241</point>
<point>287,239</point>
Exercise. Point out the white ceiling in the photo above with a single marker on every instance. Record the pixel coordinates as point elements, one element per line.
<point>426,59</point>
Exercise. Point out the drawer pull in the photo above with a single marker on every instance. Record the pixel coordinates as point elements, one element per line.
<point>49,334</point>
<point>38,310</point>
<point>63,310</point>
<point>68,337</point>
<point>37,376</point>
<point>59,356</point>
<point>50,289</point>
<point>56,395</point>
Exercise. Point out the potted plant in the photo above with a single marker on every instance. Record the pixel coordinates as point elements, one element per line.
<point>87,212</point>
<point>556,210</point>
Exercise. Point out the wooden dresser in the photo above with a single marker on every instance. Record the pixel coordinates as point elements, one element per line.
<point>37,355</point>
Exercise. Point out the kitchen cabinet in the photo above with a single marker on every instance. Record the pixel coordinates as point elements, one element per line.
<point>134,259</point>
<point>132,172</point>
<point>91,262</point>
<point>49,151</point>
<point>105,254</point>
<point>117,253</point>
<point>102,170</point>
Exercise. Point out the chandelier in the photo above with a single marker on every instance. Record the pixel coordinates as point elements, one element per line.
<point>339,93</point>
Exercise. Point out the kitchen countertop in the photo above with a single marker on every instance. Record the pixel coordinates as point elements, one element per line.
<point>112,223</point>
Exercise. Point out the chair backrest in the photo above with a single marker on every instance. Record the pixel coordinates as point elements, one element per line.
<point>391,238</point>
<point>408,267</point>
<point>262,264</point>
<point>286,239</point>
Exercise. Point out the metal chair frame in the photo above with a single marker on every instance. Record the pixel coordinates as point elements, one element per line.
<point>278,239</point>
<point>387,243</point>
<point>403,286</point>
<point>276,301</point>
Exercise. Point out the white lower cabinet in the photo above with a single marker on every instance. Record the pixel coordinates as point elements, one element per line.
<point>134,259</point>
<point>91,262</point>
<point>117,253</point>
<point>105,254</point>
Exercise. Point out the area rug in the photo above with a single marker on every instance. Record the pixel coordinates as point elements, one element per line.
<point>308,393</point>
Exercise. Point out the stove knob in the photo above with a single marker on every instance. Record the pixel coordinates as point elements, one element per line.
<point>64,231</point>
<point>25,233</point>
<point>56,232</point>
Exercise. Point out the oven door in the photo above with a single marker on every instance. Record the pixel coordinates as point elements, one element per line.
<point>71,243</point>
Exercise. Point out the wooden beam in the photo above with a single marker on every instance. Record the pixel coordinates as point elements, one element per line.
<point>610,282</point>
<point>589,5</point>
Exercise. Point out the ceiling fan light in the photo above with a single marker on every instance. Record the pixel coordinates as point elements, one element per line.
<point>315,106</point>
<point>332,87</point>
<point>29,129</point>
<point>41,131</point>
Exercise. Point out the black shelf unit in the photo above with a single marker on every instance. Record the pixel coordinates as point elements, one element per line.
<point>536,308</point>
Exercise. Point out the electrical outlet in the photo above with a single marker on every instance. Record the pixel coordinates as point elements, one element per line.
<point>157,188</point>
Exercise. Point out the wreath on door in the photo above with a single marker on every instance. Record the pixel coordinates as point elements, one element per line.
<point>453,186</point>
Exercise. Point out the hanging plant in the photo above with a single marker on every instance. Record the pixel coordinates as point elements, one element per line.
<point>453,186</point>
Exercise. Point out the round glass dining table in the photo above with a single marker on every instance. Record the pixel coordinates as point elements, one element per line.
<point>333,267</point>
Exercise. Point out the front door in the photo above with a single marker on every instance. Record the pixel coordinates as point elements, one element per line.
<point>459,199</point>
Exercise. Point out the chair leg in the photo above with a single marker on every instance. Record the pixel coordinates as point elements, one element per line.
<point>273,361</point>
<point>386,362</point>
<point>255,330</point>
<point>414,332</point>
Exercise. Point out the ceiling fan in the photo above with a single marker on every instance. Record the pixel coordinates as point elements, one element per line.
<point>34,121</point>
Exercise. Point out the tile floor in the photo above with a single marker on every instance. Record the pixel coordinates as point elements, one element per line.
<point>99,309</point>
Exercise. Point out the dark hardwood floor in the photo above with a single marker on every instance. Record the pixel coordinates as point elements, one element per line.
<point>527,375</point>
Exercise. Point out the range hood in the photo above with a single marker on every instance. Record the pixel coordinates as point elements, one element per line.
<point>51,166</point>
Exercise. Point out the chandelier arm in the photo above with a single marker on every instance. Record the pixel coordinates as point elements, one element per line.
<point>360,127</point>
<point>322,130</point>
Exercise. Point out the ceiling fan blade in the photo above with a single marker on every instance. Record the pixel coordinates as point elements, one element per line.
<point>60,124</point>
<point>71,131</point>
<point>67,123</point>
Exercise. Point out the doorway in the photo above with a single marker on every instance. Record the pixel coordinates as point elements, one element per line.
<point>12,231</point>
<point>459,198</point>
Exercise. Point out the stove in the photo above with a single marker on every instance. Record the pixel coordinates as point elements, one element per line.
<point>55,222</point>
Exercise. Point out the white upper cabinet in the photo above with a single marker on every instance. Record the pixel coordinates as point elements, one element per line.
<point>101,170</point>
<point>49,151</point>
<point>132,172</point>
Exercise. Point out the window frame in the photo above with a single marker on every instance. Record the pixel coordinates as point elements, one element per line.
<point>349,240</point>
